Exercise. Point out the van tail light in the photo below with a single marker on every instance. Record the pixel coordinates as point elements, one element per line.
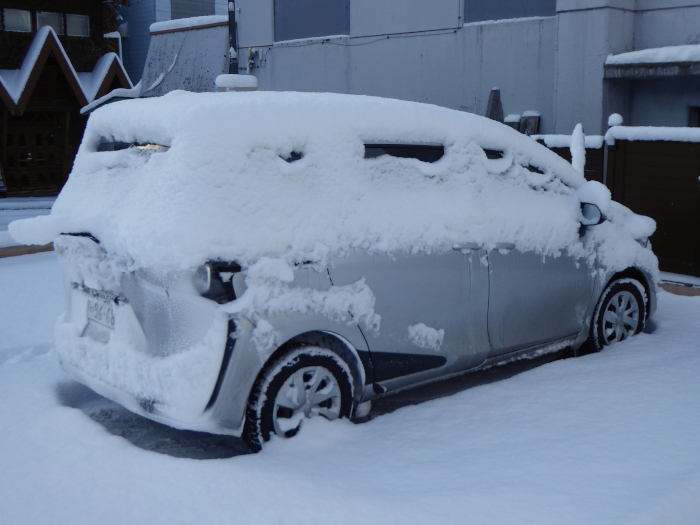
<point>214,280</point>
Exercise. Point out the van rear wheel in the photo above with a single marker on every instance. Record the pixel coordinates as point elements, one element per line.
<point>304,383</point>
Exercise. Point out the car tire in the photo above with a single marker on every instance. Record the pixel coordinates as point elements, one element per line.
<point>619,314</point>
<point>303,383</point>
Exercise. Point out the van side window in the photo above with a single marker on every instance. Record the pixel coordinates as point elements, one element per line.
<point>293,157</point>
<point>493,154</point>
<point>421,152</point>
<point>111,145</point>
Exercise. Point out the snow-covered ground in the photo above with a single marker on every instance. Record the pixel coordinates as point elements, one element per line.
<point>606,438</point>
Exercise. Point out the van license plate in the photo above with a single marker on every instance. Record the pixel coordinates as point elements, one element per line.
<point>101,311</point>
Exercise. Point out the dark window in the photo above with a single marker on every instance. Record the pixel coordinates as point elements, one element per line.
<point>293,157</point>
<point>424,153</point>
<point>77,25</point>
<point>18,20</point>
<point>693,117</point>
<point>481,10</point>
<point>37,139</point>
<point>534,169</point>
<point>113,146</point>
<point>54,20</point>
<point>493,154</point>
<point>309,18</point>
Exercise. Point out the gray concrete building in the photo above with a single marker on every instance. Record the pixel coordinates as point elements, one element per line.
<point>545,56</point>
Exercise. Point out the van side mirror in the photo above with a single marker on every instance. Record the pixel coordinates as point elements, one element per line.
<point>590,214</point>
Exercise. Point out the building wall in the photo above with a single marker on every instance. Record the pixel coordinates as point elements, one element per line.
<point>450,66</point>
<point>658,102</point>
<point>587,32</point>
<point>373,17</point>
<point>189,8</point>
<point>135,46</point>
<point>663,102</point>
<point>423,50</point>
<point>666,23</point>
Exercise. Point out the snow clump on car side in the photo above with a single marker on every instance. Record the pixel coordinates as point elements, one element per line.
<point>270,291</point>
<point>425,336</point>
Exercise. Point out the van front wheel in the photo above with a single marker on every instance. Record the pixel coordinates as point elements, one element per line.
<point>621,313</point>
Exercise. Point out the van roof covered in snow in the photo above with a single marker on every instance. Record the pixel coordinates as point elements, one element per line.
<point>245,175</point>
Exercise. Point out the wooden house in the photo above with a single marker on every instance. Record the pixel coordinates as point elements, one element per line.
<point>56,56</point>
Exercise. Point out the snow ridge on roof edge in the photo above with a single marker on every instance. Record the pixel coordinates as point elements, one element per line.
<point>187,23</point>
<point>16,89</point>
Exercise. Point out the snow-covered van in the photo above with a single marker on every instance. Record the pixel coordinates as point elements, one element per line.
<point>237,262</point>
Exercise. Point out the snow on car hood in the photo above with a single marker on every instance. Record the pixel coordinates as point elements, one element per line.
<point>223,190</point>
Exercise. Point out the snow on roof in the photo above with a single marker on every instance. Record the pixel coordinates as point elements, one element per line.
<point>133,92</point>
<point>15,81</point>
<point>634,133</point>
<point>91,82</point>
<point>224,190</point>
<point>659,55</point>
<point>188,23</point>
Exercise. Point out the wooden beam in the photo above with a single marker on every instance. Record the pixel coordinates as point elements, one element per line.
<point>189,28</point>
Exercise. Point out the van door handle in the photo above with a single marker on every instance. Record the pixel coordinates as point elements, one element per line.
<point>466,247</point>
<point>504,247</point>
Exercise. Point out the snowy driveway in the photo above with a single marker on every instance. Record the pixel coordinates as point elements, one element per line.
<point>607,438</point>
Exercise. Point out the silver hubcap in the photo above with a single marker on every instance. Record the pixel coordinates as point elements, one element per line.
<point>621,317</point>
<point>310,391</point>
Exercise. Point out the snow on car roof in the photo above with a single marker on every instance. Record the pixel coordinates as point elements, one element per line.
<point>224,191</point>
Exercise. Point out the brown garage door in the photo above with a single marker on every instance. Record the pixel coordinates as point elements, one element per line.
<point>660,179</point>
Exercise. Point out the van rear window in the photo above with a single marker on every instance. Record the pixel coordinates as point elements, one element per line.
<point>421,152</point>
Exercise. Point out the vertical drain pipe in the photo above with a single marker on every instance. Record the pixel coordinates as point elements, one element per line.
<point>232,40</point>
